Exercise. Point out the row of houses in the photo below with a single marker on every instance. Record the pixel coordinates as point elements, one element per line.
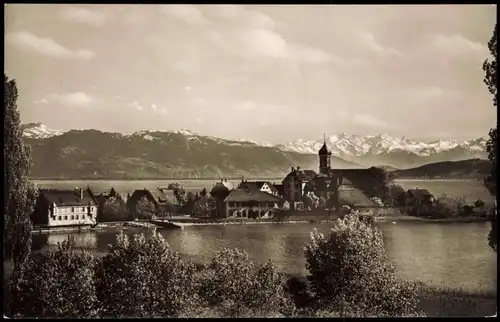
<point>300,190</point>
<point>81,207</point>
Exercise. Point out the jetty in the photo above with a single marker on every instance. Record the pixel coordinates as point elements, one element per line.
<point>167,224</point>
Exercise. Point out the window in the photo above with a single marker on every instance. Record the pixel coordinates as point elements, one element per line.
<point>72,217</point>
<point>77,217</point>
<point>83,209</point>
<point>65,217</point>
<point>58,217</point>
<point>72,209</point>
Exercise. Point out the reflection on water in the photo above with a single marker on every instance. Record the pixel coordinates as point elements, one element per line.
<point>84,240</point>
<point>453,254</point>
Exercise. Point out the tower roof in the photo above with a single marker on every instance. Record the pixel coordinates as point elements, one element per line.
<point>324,150</point>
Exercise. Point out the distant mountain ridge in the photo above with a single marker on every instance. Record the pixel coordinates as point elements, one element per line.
<point>92,154</point>
<point>153,154</point>
<point>398,152</point>
<point>466,169</point>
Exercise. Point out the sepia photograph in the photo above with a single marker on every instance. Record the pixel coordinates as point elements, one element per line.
<point>249,161</point>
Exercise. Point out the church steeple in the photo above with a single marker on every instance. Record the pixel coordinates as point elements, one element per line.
<point>324,158</point>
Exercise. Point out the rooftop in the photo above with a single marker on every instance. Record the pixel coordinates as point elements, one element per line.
<point>68,197</point>
<point>240,195</point>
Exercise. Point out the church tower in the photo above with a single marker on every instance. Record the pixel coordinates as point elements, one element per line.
<point>324,159</point>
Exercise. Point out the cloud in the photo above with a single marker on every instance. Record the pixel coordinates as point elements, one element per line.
<point>81,15</point>
<point>46,46</point>
<point>372,43</point>
<point>187,88</point>
<point>155,108</point>
<point>457,44</point>
<point>188,13</point>
<point>243,16</point>
<point>246,106</point>
<point>188,65</point>
<point>77,99</point>
<point>252,34</point>
<point>366,119</point>
<point>199,120</point>
<point>136,105</point>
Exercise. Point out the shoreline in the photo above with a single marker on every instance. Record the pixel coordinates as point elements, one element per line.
<point>193,223</point>
<point>148,179</point>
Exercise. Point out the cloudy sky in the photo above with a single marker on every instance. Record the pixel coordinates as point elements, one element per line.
<point>269,73</point>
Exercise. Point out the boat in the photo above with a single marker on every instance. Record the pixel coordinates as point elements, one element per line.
<point>167,224</point>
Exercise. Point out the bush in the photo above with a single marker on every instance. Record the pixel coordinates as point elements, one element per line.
<point>115,209</point>
<point>143,277</point>
<point>57,285</point>
<point>446,206</point>
<point>145,209</point>
<point>350,274</point>
<point>236,287</point>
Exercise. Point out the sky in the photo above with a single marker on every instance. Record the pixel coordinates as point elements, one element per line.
<point>269,73</point>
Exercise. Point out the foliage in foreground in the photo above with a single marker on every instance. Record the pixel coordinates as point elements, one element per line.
<point>57,284</point>
<point>237,287</point>
<point>490,79</point>
<point>143,277</point>
<point>350,274</point>
<point>19,193</point>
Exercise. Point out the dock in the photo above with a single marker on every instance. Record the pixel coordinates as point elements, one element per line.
<point>168,224</point>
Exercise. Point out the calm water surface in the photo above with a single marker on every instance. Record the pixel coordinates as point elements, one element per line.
<point>455,254</point>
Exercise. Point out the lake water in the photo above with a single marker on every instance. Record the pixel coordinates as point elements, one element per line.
<point>456,254</point>
<point>453,254</point>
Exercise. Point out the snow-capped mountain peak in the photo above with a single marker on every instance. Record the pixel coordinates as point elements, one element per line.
<point>39,131</point>
<point>343,145</point>
<point>186,132</point>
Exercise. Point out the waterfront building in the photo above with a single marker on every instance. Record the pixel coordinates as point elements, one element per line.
<point>57,208</point>
<point>251,203</point>
<point>159,197</point>
<point>220,191</point>
<point>334,187</point>
<point>264,186</point>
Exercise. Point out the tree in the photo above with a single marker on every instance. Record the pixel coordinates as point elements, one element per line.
<point>19,193</point>
<point>114,209</point>
<point>204,207</point>
<point>179,191</point>
<point>143,277</point>
<point>112,192</point>
<point>237,287</point>
<point>490,79</point>
<point>350,274</point>
<point>58,284</point>
<point>145,209</point>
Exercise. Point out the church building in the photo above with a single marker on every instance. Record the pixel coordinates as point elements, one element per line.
<point>328,184</point>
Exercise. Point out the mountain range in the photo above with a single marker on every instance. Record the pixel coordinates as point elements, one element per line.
<point>392,151</point>
<point>92,154</point>
<point>183,153</point>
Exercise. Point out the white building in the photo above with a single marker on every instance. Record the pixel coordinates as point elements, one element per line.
<point>56,208</point>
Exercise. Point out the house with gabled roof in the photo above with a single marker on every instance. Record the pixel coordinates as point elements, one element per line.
<point>58,208</point>
<point>158,197</point>
<point>295,183</point>
<point>420,197</point>
<point>264,186</point>
<point>251,203</point>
